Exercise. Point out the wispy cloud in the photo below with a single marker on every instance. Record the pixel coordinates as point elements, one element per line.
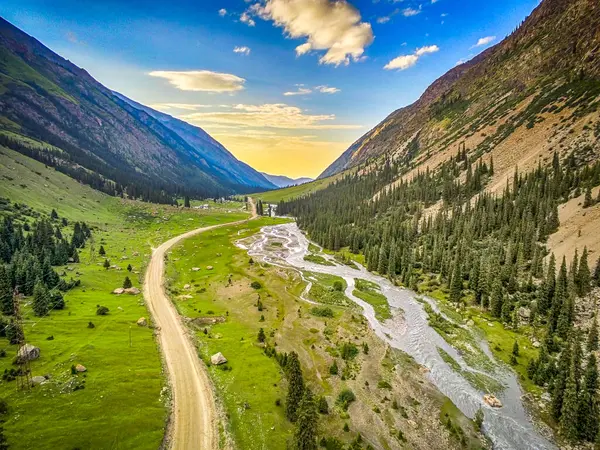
<point>404,62</point>
<point>409,12</point>
<point>202,80</point>
<point>333,26</point>
<point>484,41</point>
<point>274,115</point>
<point>180,106</point>
<point>327,89</point>
<point>222,12</point>
<point>247,19</point>
<point>243,50</point>
<point>299,91</point>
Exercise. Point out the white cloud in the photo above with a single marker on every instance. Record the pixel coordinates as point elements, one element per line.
<point>409,12</point>
<point>485,41</point>
<point>300,91</point>
<point>182,106</point>
<point>202,80</point>
<point>222,12</point>
<point>404,62</point>
<point>247,19</point>
<point>384,19</point>
<point>327,89</point>
<point>243,50</point>
<point>278,115</point>
<point>334,26</point>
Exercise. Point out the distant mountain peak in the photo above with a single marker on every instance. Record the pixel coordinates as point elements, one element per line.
<point>282,181</point>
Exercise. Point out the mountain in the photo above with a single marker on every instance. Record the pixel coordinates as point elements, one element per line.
<point>57,113</point>
<point>542,79</point>
<point>282,181</point>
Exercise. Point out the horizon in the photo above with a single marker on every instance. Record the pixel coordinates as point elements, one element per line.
<point>284,105</point>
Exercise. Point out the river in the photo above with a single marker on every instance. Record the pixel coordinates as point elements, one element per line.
<point>509,427</point>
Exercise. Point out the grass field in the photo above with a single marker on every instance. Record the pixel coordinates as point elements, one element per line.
<point>123,404</point>
<point>295,191</point>
<point>369,292</point>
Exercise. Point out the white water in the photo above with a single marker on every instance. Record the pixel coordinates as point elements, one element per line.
<point>509,427</point>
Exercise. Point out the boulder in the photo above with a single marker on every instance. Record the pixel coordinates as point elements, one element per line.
<point>536,344</point>
<point>80,368</point>
<point>38,380</point>
<point>186,297</point>
<point>195,269</point>
<point>132,291</point>
<point>209,267</point>
<point>142,322</point>
<point>118,291</point>
<point>423,369</point>
<point>187,286</point>
<point>524,313</point>
<point>28,352</point>
<point>492,401</point>
<point>218,359</point>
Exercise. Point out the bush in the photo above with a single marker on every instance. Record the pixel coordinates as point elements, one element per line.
<point>345,398</point>
<point>382,384</point>
<point>255,285</point>
<point>338,286</point>
<point>348,351</point>
<point>322,311</point>
<point>102,311</point>
<point>323,406</point>
<point>91,325</point>
<point>333,369</point>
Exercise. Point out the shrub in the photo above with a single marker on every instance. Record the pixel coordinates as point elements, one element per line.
<point>345,398</point>
<point>322,311</point>
<point>338,286</point>
<point>91,325</point>
<point>323,406</point>
<point>333,369</point>
<point>382,384</point>
<point>255,285</point>
<point>102,311</point>
<point>348,351</point>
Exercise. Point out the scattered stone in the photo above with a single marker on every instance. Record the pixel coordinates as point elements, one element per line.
<point>28,352</point>
<point>80,368</point>
<point>471,322</point>
<point>218,359</point>
<point>195,269</point>
<point>142,322</point>
<point>492,401</point>
<point>132,291</point>
<point>187,286</point>
<point>209,267</point>
<point>524,313</point>
<point>536,344</point>
<point>423,369</point>
<point>38,380</point>
<point>186,297</point>
<point>118,291</point>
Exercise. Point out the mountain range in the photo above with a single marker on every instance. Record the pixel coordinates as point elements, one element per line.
<point>541,79</point>
<point>282,181</point>
<point>103,138</point>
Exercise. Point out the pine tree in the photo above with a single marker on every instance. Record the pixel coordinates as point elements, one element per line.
<point>102,252</point>
<point>588,201</point>
<point>106,264</point>
<point>588,402</point>
<point>597,273</point>
<point>496,299</point>
<point>305,436</point>
<point>127,283</point>
<point>41,299</point>
<point>295,386</point>
<point>261,335</point>
<point>129,268</point>
<point>515,349</point>
<point>583,279</point>
<point>456,284</point>
<point>186,202</point>
<point>568,418</point>
<point>6,292</point>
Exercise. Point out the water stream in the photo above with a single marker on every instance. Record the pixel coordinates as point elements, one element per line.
<point>509,427</point>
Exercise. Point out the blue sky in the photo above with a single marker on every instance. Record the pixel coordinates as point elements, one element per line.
<point>366,59</point>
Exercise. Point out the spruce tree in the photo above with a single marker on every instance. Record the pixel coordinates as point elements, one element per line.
<point>102,252</point>
<point>127,283</point>
<point>295,386</point>
<point>588,402</point>
<point>496,299</point>
<point>583,280</point>
<point>41,299</point>
<point>305,436</point>
<point>592,340</point>
<point>6,292</point>
<point>569,412</point>
<point>597,273</point>
<point>261,335</point>
<point>456,284</point>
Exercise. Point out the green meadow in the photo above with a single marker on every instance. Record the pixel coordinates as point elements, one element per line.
<point>121,400</point>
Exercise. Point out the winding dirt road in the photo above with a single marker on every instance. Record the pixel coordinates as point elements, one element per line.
<point>193,420</point>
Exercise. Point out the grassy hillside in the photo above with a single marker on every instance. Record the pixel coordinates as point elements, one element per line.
<point>295,191</point>
<point>124,400</point>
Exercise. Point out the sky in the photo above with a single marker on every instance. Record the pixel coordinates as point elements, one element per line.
<point>285,85</point>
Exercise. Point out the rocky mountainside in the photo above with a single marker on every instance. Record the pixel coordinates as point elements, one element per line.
<point>282,181</point>
<point>533,93</point>
<point>101,138</point>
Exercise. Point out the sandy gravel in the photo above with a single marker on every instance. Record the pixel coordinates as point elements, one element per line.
<point>193,422</point>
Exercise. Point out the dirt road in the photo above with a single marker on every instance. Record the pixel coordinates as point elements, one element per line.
<point>193,419</point>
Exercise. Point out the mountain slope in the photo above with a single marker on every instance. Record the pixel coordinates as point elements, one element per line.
<point>547,69</point>
<point>100,138</point>
<point>282,181</point>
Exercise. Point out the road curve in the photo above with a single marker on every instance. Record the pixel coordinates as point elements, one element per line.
<point>193,422</point>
